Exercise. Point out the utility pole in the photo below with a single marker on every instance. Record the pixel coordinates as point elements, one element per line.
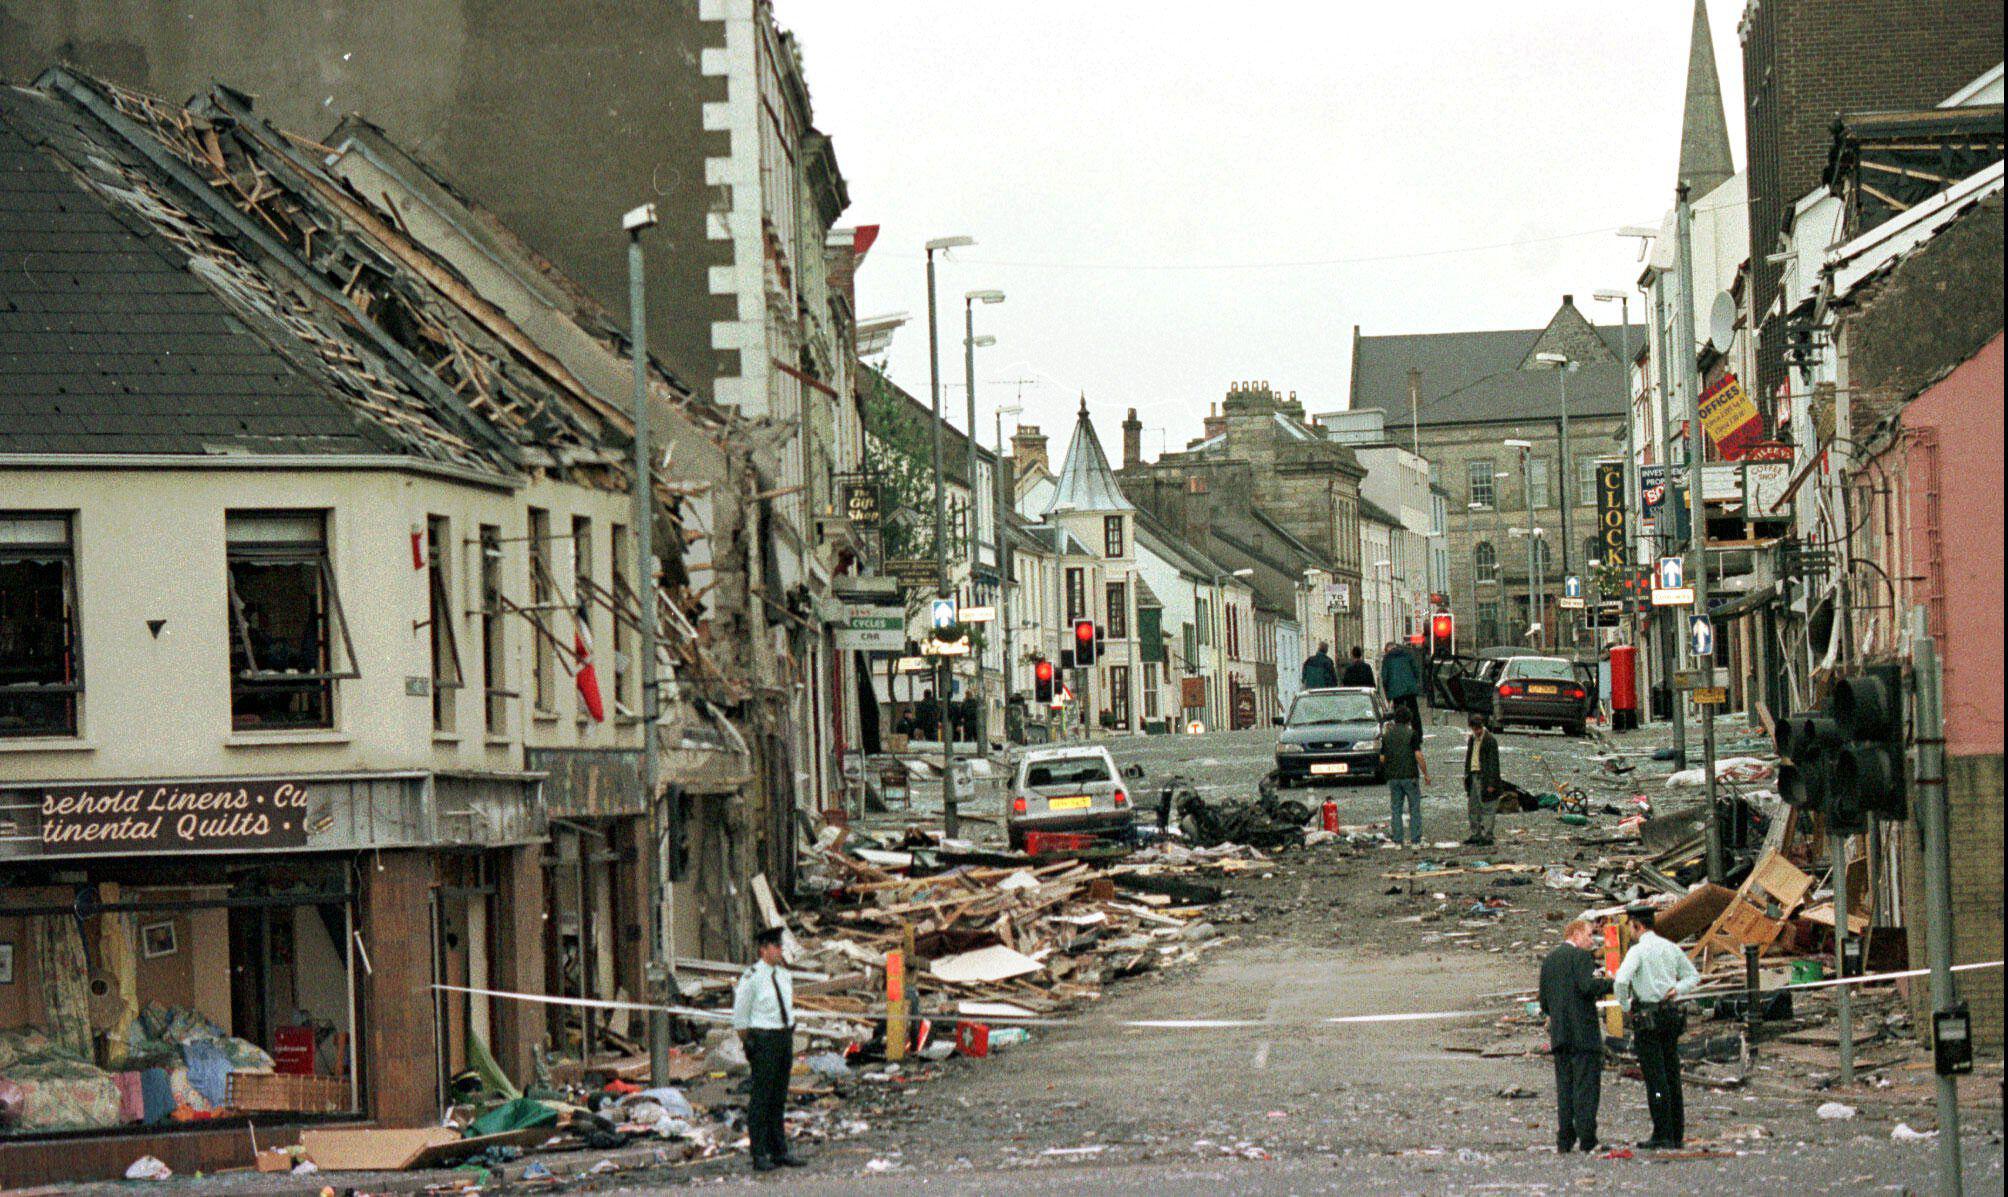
<point>1697,524</point>
<point>1668,527</point>
<point>661,940</point>
<point>951,819</point>
<point>1928,730</point>
<point>1566,498</point>
<point>970,343</point>
<point>1415,409</point>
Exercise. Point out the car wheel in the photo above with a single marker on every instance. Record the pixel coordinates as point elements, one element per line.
<point>1016,839</point>
<point>1576,729</point>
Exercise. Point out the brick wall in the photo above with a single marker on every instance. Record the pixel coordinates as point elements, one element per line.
<point>1807,61</point>
<point>1973,797</point>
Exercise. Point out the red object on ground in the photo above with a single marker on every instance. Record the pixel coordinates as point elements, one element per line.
<point>972,1039</point>
<point>293,1051</point>
<point>622,1087</point>
<point>1038,843</point>
<point>1624,677</point>
<point>1331,815</point>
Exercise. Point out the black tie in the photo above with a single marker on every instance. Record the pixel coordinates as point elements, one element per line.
<point>787,1019</point>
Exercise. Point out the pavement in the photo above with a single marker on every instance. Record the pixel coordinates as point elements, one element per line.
<point>1458,1105</point>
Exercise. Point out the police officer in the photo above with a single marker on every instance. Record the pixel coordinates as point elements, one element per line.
<point>1651,979</point>
<point>763,1012</point>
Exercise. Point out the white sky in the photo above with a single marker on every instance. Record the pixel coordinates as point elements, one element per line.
<point>1175,198</point>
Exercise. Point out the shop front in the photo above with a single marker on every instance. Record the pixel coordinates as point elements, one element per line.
<point>185,960</point>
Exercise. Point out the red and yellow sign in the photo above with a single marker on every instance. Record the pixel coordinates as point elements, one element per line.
<point>1729,416</point>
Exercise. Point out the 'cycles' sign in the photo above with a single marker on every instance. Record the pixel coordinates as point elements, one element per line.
<point>195,816</point>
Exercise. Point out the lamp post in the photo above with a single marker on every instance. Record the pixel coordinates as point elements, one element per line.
<point>951,819</point>
<point>1006,489</point>
<point>1533,569</point>
<point>1563,364</point>
<point>970,344</point>
<point>1697,541</point>
<point>1624,561</point>
<point>661,946</point>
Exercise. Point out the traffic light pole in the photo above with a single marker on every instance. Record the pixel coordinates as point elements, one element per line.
<point>1928,728</point>
<point>1697,539</point>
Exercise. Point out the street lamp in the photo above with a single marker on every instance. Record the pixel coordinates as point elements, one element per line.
<point>1005,503</point>
<point>1562,365</point>
<point>1623,300</point>
<point>657,974</point>
<point>970,343</point>
<point>951,820</point>
<point>1386,631</point>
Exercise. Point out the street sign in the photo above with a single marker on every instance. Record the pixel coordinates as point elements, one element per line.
<point>978,614</point>
<point>913,665</point>
<point>1701,635</point>
<point>941,613</point>
<point>913,572</point>
<point>1572,587</point>
<point>1683,597</point>
<point>945,648</point>
<point>873,626</point>
<point>1567,603</point>
<point>1687,679</point>
<point>1672,573</point>
<point>1710,696</point>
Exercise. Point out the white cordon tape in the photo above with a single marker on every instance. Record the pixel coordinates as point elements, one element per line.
<point>1148,1024</point>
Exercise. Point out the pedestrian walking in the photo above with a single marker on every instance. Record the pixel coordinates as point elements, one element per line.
<point>1406,772</point>
<point>1358,672</point>
<point>1401,680</point>
<point>1652,978</point>
<point>1570,988</point>
<point>763,1012</point>
<point>1481,782</point>
<point>1319,672</point>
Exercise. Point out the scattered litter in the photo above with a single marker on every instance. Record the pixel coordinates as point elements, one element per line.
<point>1904,1134</point>
<point>1091,1149</point>
<point>1515,1091</point>
<point>1834,1111</point>
<point>147,1167</point>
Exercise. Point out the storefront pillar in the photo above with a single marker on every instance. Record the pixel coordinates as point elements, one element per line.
<point>519,959</point>
<point>631,903</point>
<point>399,1030</point>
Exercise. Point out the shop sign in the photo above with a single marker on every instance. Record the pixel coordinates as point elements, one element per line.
<point>861,503</point>
<point>873,626</point>
<point>1612,537</point>
<point>1729,416</point>
<point>201,816</point>
<point>914,573</point>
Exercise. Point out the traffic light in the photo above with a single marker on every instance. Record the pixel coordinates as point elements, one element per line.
<point>1086,643</point>
<point>1442,635</point>
<point>1042,680</point>
<point>1869,768</point>
<point>1805,745</point>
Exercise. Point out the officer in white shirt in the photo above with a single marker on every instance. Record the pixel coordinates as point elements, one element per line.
<point>763,1012</point>
<point>1652,978</point>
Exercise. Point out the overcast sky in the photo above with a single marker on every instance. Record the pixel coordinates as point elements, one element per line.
<point>1175,197</point>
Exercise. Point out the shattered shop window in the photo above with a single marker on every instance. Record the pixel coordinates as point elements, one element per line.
<point>287,630</point>
<point>41,680</point>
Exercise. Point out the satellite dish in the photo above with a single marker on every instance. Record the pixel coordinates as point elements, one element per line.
<point>1722,321</point>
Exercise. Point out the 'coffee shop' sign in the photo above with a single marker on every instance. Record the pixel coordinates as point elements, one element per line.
<point>200,816</point>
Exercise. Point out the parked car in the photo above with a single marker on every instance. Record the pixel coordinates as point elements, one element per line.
<point>1540,692</point>
<point>1072,788</point>
<point>1331,734</point>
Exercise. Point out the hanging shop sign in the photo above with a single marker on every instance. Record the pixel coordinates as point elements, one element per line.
<point>1729,416</point>
<point>173,816</point>
<point>1612,536</point>
<point>873,626</point>
<point>861,503</point>
<point>914,573</point>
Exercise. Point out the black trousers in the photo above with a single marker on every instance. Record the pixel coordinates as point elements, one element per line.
<point>1659,1062</point>
<point>771,1055</point>
<point>1579,1090</point>
<point>1414,708</point>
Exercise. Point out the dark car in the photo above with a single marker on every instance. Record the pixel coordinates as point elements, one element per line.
<point>1331,735</point>
<point>1540,692</point>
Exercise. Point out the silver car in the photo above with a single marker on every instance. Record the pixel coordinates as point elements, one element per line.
<point>1073,788</point>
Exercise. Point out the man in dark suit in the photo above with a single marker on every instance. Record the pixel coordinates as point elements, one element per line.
<point>1570,988</point>
<point>1481,782</point>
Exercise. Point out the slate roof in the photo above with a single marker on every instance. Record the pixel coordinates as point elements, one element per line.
<point>1086,483</point>
<point>110,344</point>
<point>1475,377</point>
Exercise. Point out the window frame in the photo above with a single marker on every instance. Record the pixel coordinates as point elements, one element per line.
<point>1539,481</point>
<point>335,620</point>
<point>438,538</point>
<point>543,594</point>
<point>1077,594</point>
<point>495,690</point>
<point>1115,602</point>
<point>72,624</point>
<point>1480,570</point>
<point>1478,476</point>
<point>1113,540</point>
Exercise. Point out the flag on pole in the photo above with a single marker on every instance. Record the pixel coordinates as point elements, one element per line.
<point>587,677</point>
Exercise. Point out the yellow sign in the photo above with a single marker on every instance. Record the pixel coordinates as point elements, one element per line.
<point>1713,696</point>
<point>1730,416</point>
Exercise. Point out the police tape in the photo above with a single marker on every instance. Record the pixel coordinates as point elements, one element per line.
<point>1148,1024</point>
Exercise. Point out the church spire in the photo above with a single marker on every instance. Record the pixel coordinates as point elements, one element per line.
<point>1705,162</point>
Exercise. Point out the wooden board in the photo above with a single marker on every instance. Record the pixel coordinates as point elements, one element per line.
<point>376,1149</point>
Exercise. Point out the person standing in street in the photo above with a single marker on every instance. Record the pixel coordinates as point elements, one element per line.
<point>763,1012</point>
<point>1654,975</point>
<point>1406,772</point>
<point>1401,681</point>
<point>1358,672</point>
<point>1481,782</point>
<point>1570,988</point>
<point>1319,672</point>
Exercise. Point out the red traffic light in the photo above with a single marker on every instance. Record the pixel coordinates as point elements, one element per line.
<point>1043,671</point>
<point>1442,634</point>
<point>1084,631</point>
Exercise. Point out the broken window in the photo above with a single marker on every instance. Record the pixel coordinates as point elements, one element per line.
<point>289,637</point>
<point>41,676</point>
<point>543,661</point>
<point>444,640</point>
<point>622,554</point>
<point>494,659</point>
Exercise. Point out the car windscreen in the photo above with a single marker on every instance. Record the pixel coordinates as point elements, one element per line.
<point>1546,668</point>
<point>1067,771</point>
<point>1333,708</point>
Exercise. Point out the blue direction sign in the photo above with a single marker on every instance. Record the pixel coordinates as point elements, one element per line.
<point>941,613</point>
<point>1672,573</point>
<point>1701,635</point>
<point>1573,586</point>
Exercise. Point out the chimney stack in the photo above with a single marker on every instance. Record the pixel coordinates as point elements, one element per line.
<point>1215,423</point>
<point>1132,440</point>
<point>1028,450</point>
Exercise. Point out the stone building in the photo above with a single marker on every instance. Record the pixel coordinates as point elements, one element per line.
<point>1467,394</point>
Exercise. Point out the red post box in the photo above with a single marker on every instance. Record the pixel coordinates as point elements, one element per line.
<point>1624,687</point>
